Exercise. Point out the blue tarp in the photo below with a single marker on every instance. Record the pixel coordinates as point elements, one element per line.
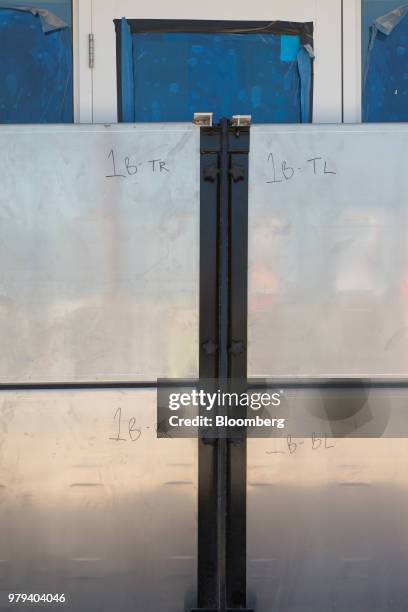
<point>128,81</point>
<point>35,68</point>
<point>385,95</point>
<point>170,76</point>
<point>59,8</point>
<point>371,9</point>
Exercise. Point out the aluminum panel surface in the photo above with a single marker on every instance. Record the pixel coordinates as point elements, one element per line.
<point>327,525</point>
<point>109,523</point>
<point>328,251</point>
<point>99,252</point>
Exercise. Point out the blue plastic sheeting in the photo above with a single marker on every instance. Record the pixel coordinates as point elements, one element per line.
<point>35,70</point>
<point>127,84</point>
<point>60,8</point>
<point>305,67</point>
<point>174,75</point>
<point>371,9</point>
<point>385,95</point>
<point>49,21</point>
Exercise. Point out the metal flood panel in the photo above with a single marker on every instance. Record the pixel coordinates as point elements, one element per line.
<point>110,523</point>
<point>327,525</point>
<point>99,252</point>
<point>328,254</point>
<point>328,297</point>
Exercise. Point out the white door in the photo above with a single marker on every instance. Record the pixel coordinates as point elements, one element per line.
<point>325,15</point>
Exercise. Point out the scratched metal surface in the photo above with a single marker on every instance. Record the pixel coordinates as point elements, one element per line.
<point>327,525</point>
<point>99,276</point>
<point>111,524</point>
<point>328,253</point>
<point>328,298</point>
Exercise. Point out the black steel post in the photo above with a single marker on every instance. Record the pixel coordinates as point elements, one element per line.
<point>223,319</point>
<point>207,541</point>
<point>239,140</point>
<point>223,360</point>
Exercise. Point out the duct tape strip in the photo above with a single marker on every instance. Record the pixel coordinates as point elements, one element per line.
<point>49,21</point>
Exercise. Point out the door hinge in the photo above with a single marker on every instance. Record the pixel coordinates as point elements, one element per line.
<point>91,51</point>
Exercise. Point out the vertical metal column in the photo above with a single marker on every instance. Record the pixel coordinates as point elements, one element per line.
<point>223,359</point>
<point>207,579</point>
<point>223,320</point>
<point>239,140</point>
